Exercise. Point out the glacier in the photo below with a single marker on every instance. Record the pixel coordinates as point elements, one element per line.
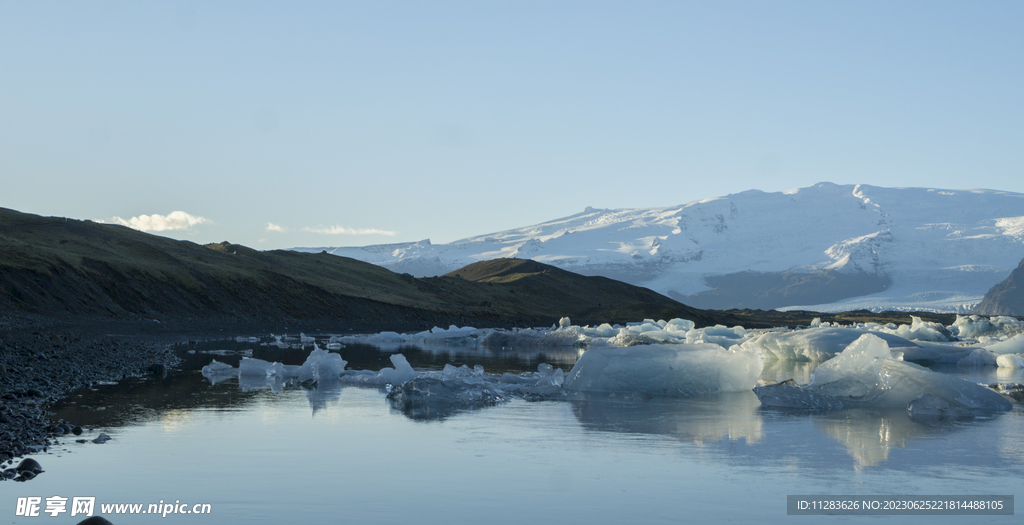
<point>939,250</point>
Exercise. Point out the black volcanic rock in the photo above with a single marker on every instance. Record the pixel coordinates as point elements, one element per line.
<point>1005,298</point>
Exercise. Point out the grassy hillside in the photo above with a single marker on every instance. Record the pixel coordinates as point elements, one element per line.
<point>63,267</point>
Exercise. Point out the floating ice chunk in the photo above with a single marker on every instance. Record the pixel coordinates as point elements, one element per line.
<point>217,372</point>
<point>401,373</point>
<point>865,374</point>
<point>820,344</point>
<point>678,326</point>
<point>978,357</point>
<point>259,368</point>
<point>321,365</point>
<point>243,339</point>
<point>216,367</point>
<point>718,334</point>
<point>921,330</point>
<point>433,398</point>
<point>1013,345</point>
<point>666,370</point>
<point>975,327</point>
<point>1010,361</point>
<point>303,338</point>
<point>564,322</point>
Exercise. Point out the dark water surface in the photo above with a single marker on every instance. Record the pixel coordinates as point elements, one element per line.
<point>308,456</point>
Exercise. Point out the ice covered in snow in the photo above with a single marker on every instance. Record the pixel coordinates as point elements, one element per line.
<point>666,370</point>
<point>866,375</point>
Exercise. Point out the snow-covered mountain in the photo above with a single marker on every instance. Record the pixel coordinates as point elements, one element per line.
<point>825,247</point>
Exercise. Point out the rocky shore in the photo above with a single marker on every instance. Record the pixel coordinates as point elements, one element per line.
<point>42,360</point>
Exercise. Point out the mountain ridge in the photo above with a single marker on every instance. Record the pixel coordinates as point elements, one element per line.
<point>825,247</point>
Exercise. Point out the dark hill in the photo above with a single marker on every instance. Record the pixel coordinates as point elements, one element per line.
<point>592,300</point>
<point>1005,298</point>
<point>65,268</point>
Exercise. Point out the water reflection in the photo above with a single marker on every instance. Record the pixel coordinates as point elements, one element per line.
<point>868,436</point>
<point>734,424</point>
<point>705,419</point>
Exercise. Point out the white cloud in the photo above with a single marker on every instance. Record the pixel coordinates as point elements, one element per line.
<point>341,230</point>
<point>271,227</point>
<point>176,220</point>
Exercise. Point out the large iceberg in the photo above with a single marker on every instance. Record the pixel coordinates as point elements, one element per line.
<point>822,343</point>
<point>666,370</point>
<point>866,374</point>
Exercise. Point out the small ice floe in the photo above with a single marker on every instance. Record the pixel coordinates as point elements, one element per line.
<point>1010,361</point>
<point>865,374</point>
<point>977,358</point>
<point>435,395</point>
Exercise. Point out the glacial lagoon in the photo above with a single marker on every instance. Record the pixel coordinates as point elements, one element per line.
<point>310,453</point>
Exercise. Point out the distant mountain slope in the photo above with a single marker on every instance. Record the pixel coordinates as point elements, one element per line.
<point>1005,298</point>
<point>68,268</point>
<point>826,247</point>
<point>551,290</point>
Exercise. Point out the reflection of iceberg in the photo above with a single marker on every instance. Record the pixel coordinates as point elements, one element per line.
<point>866,375</point>
<point>705,419</point>
<point>252,383</point>
<point>666,370</point>
<point>869,436</point>
<point>325,392</point>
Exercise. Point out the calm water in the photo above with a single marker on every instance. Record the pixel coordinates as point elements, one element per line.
<point>301,456</point>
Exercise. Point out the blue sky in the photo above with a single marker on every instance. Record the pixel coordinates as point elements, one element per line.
<point>352,123</point>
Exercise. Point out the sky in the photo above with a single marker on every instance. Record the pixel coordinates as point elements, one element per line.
<point>287,124</point>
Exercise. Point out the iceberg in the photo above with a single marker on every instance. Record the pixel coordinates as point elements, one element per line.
<point>976,326</point>
<point>1013,345</point>
<point>824,342</point>
<point>978,357</point>
<point>320,365</point>
<point>866,375</point>
<point>666,370</point>
<point>1010,361</point>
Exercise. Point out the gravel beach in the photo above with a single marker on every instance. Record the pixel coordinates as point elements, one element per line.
<point>42,360</point>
